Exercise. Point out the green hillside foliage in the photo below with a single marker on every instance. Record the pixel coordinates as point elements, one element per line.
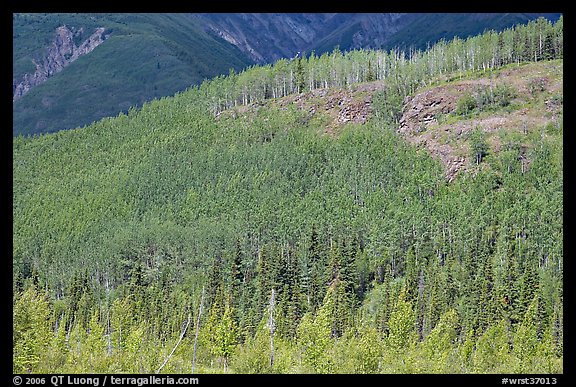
<point>146,56</point>
<point>186,215</point>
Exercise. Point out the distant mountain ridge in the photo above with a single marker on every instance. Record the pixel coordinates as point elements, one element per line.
<point>268,37</point>
<point>147,56</point>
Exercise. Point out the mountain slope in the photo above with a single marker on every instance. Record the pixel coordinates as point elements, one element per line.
<point>269,37</point>
<point>254,199</point>
<point>132,58</point>
<point>144,56</point>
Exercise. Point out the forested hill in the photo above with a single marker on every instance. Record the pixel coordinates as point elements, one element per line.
<point>306,206</point>
<point>70,70</point>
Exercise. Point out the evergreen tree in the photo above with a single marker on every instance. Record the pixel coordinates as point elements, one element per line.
<point>292,294</point>
<point>370,76</point>
<point>549,47</point>
<point>237,274</point>
<point>265,279</point>
<point>487,305</point>
<point>215,279</point>
<point>339,304</point>
<point>511,299</point>
<point>558,329</point>
<point>423,261</point>
<point>300,80</point>
<point>315,273</point>
<point>412,275</point>
<point>527,47</point>
<point>221,330</point>
<point>529,286</point>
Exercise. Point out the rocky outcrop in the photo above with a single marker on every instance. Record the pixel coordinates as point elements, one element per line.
<point>59,54</point>
<point>337,106</point>
<point>419,124</point>
<point>422,110</point>
<point>429,120</point>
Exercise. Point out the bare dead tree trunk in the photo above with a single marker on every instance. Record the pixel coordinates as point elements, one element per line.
<point>109,334</point>
<point>68,333</point>
<point>272,326</point>
<point>177,344</point>
<point>197,328</point>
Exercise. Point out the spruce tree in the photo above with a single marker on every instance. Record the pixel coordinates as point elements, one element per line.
<point>487,306</point>
<point>348,272</point>
<point>300,81</point>
<point>315,268</point>
<point>370,76</point>
<point>512,304</point>
<point>529,285</point>
<point>237,273</point>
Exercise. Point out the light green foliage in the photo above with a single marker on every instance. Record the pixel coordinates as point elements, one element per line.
<point>96,347</point>
<point>439,348</point>
<point>57,352</point>
<point>222,333</point>
<point>525,343</point>
<point>492,350</point>
<point>478,145</point>
<point>465,105</point>
<point>121,318</point>
<point>466,352</point>
<point>388,105</point>
<point>75,361</point>
<point>132,353</point>
<point>314,338</point>
<point>253,357</point>
<point>494,96</point>
<point>31,330</point>
<point>359,351</point>
<point>401,325</point>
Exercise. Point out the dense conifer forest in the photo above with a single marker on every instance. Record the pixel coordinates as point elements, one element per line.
<point>223,231</point>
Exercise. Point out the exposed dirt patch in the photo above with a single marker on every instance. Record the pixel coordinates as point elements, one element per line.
<point>342,106</point>
<point>429,119</point>
<point>339,106</point>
